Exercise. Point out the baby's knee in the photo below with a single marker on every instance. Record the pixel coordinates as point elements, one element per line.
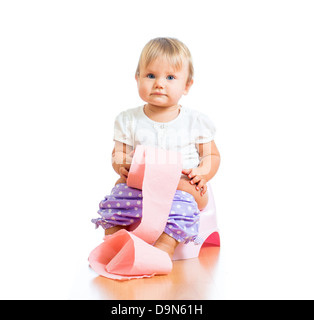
<point>185,185</point>
<point>202,200</point>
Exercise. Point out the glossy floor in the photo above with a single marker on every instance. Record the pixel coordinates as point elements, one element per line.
<point>248,265</point>
<point>190,279</point>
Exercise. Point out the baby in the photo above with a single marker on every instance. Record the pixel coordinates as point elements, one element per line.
<point>164,74</point>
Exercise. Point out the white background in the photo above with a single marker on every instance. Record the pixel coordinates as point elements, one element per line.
<point>67,69</point>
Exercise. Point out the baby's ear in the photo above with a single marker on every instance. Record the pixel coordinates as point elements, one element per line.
<point>137,79</point>
<point>188,86</point>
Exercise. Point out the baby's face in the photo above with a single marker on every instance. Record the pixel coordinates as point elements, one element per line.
<point>160,84</point>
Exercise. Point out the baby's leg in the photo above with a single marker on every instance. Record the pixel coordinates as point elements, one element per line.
<point>119,210</point>
<point>113,230</point>
<point>123,207</point>
<point>167,244</point>
<point>182,224</point>
<point>185,185</point>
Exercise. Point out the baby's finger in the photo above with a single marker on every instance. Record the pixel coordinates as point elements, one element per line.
<point>201,184</point>
<point>123,172</point>
<point>195,180</point>
<point>126,172</point>
<point>204,190</point>
<point>192,174</point>
<point>186,171</point>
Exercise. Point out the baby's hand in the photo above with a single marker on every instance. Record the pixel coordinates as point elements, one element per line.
<point>196,179</point>
<point>124,168</point>
<point>129,157</point>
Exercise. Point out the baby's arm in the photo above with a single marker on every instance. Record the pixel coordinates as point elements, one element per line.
<point>209,164</point>
<point>122,155</point>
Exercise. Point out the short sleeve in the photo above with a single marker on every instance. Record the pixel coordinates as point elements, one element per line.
<point>204,128</point>
<point>123,129</point>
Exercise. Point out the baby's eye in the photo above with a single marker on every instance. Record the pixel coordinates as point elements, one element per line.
<point>150,76</point>
<point>170,78</point>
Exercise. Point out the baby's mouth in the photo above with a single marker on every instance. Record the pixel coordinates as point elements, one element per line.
<point>157,94</point>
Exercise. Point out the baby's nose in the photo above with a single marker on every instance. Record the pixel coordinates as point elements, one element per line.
<point>159,83</point>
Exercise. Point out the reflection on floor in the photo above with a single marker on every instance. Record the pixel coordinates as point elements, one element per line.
<point>197,278</point>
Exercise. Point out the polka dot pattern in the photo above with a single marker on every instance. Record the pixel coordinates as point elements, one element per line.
<point>123,207</point>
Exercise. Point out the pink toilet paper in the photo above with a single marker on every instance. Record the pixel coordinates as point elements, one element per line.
<point>127,255</point>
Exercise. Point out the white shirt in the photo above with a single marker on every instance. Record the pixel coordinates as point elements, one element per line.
<point>189,128</point>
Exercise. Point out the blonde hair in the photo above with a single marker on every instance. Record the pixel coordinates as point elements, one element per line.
<point>173,49</point>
